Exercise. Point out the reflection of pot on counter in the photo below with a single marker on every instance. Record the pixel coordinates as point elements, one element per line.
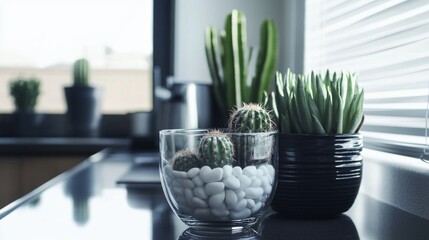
<point>183,105</point>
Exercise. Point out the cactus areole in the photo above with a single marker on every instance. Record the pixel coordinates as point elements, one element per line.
<point>216,149</point>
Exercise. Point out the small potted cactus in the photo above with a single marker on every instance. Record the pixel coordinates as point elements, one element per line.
<point>216,178</point>
<point>83,103</point>
<point>25,92</point>
<point>229,57</point>
<point>320,165</point>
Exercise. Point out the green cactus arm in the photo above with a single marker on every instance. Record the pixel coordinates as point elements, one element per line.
<point>81,72</point>
<point>229,63</point>
<point>241,56</point>
<point>266,61</point>
<point>212,50</point>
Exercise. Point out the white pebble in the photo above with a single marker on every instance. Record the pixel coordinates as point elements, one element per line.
<point>187,183</point>
<point>227,171</point>
<point>268,189</point>
<point>202,214</point>
<point>220,212</point>
<point>217,200</point>
<point>180,174</point>
<point>241,205</point>
<point>193,172</point>
<point>199,203</point>
<point>178,182</point>
<point>169,171</point>
<point>250,203</point>
<point>256,182</point>
<point>256,207</point>
<point>240,195</point>
<point>244,181</point>
<point>260,173</point>
<point>252,192</point>
<point>250,171</point>
<point>264,199</point>
<point>264,169</point>
<point>178,190</point>
<point>200,193</point>
<point>230,199</point>
<point>186,210</point>
<point>181,200</point>
<point>271,170</point>
<point>237,171</point>
<point>189,195</point>
<point>198,181</point>
<point>214,175</point>
<point>204,170</point>
<point>214,188</point>
<point>265,181</point>
<point>244,213</point>
<point>232,183</point>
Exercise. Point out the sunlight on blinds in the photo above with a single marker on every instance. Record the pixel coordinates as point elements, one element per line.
<point>387,43</point>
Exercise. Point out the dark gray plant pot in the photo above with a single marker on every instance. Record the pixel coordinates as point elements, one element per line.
<point>83,111</point>
<point>27,124</point>
<point>319,175</point>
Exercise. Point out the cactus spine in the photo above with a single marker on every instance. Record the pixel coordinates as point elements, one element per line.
<point>230,77</point>
<point>216,149</point>
<point>81,72</point>
<point>185,160</point>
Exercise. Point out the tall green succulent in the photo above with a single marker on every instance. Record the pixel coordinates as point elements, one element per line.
<point>81,72</point>
<point>228,58</point>
<point>25,92</point>
<point>216,149</point>
<point>312,103</point>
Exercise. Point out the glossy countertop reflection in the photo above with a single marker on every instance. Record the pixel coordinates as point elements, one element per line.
<point>87,203</point>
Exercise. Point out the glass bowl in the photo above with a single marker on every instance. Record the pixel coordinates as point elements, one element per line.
<point>229,197</point>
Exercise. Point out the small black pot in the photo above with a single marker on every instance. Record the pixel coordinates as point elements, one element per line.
<point>83,111</point>
<point>27,124</point>
<point>319,175</point>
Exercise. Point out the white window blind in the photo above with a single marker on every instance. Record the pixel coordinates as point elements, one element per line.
<point>387,43</point>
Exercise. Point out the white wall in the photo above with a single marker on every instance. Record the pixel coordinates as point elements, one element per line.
<point>193,16</point>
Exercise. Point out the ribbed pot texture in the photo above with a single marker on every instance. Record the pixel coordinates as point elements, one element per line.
<point>319,175</point>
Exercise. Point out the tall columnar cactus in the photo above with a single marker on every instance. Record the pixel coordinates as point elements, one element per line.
<point>250,148</point>
<point>185,160</point>
<point>81,72</point>
<point>312,103</point>
<point>216,149</point>
<point>250,118</point>
<point>229,60</point>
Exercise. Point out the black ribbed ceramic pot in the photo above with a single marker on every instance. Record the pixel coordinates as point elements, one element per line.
<point>319,175</point>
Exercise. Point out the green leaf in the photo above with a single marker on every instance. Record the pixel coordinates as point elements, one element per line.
<point>302,105</point>
<point>317,126</point>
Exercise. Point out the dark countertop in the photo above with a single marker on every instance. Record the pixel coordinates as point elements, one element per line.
<point>87,203</point>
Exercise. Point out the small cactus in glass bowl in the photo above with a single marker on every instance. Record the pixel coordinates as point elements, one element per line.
<point>252,118</point>
<point>224,192</point>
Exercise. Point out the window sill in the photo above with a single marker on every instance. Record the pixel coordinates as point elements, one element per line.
<point>59,145</point>
<point>397,180</point>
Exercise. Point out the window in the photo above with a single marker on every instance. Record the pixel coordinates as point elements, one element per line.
<point>43,38</point>
<point>386,43</point>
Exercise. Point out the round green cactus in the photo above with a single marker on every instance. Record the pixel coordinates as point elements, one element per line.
<point>252,149</point>
<point>216,149</point>
<point>251,118</point>
<point>185,160</point>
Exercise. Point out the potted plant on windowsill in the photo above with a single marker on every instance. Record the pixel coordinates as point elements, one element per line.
<point>320,165</point>
<point>25,92</point>
<point>229,57</point>
<point>83,103</point>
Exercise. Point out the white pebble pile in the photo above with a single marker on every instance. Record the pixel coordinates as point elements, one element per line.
<point>227,193</point>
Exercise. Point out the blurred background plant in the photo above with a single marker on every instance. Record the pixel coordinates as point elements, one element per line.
<point>25,92</point>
